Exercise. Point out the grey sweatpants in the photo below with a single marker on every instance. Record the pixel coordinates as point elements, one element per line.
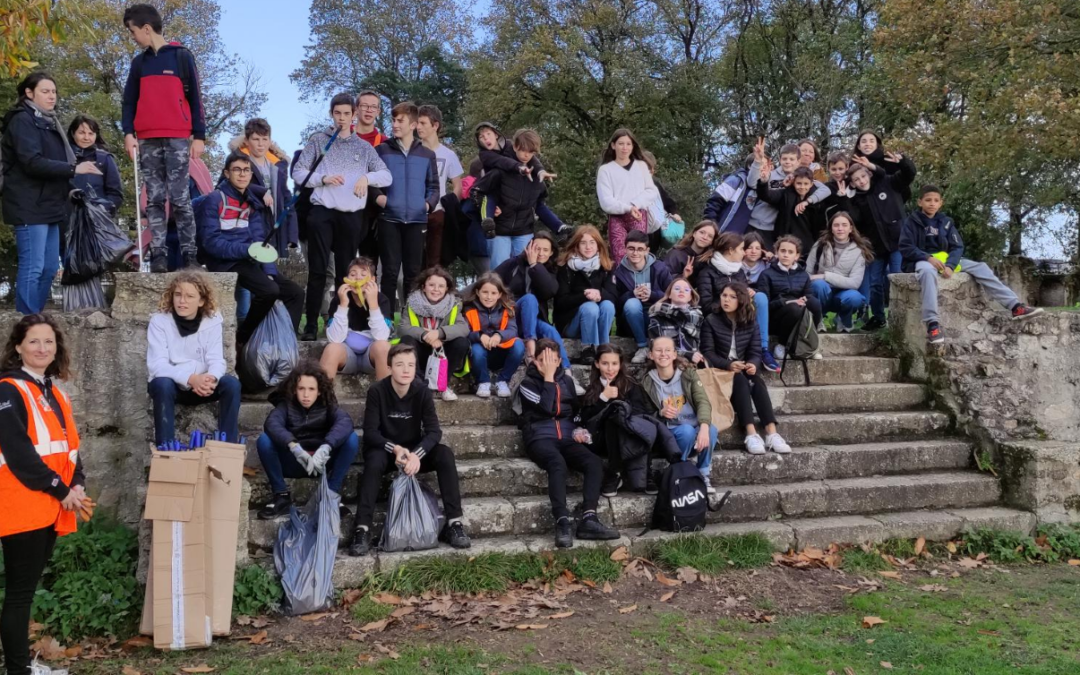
<point>980,272</point>
<point>163,164</point>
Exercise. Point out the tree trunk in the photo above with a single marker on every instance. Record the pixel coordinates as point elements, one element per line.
<point>1016,227</point>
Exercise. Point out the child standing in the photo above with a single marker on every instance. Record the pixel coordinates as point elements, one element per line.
<point>307,434</point>
<point>489,311</point>
<point>836,265</point>
<point>733,200</point>
<point>763,217</point>
<point>625,188</point>
<point>677,315</point>
<point>166,135</point>
<point>931,245</point>
<point>796,214</point>
<point>787,285</point>
<point>359,334</point>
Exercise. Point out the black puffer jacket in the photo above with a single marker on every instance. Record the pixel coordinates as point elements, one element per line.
<point>542,281</point>
<point>782,286</point>
<point>571,295</point>
<point>518,197</point>
<point>716,341</point>
<point>711,281</point>
<point>36,169</point>
<point>309,427</point>
<point>547,409</point>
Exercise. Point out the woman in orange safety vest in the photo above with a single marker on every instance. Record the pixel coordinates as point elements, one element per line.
<point>41,478</point>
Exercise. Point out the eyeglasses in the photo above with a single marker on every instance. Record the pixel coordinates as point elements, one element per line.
<point>637,249</point>
<point>371,108</point>
<point>241,170</point>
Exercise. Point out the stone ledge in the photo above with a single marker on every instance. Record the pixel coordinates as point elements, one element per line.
<point>1043,477</point>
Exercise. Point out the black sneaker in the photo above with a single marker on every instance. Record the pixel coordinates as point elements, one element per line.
<point>612,483</point>
<point>311,331</point>
<point>588,355</point>
<point>652,482</point>
<point>564,538</point>
<point>454,534</point>
<point>876,323</point>
<point>1022,311</point>
<point>277,506</point>
<point>361,542</point>
<point>591,528</point>
<point>159,261</point>
<point>935,335</point>
<point>191,261</point>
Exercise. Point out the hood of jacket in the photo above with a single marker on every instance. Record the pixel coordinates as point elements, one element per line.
<point>275,154</point>
<point>488,125</point>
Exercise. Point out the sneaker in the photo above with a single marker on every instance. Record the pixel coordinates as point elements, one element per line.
<point>454,534</point>
<point>769,362</point>
<point>777,444</point>
<point>820,327</point>
<point>611,485</point>
<point>817,356</point>
<point>935,335</point>
<point>159,261</point>
<point>876,323</point>
<point>779,351</point>
<point>448,395</point>
<point>277,506</point>
<point>639,356</point>
<point>754,445</point>
<point>841,328</point>
<point>708,484</point>
<point>590,528</point>
<point>578,389</point>
<point>588,355</point>
<point>191,261</point>
<point>361,542</point>
<point>484,390</point>
<point>502,389</point>
<point>652,486</point>
<point>1022,311</point>
<point>564,537</point>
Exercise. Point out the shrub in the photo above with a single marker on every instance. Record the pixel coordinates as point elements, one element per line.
<point>256,591</point>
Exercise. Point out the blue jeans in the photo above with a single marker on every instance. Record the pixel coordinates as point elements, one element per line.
<point>592,323</point>
<point>166,394</point>
<point>503,248</point>
<point>39,259</point>
<point>761,309</point>
<point>507,357</point>
<point>243,304</point>
<point>843,301</point>
<point>531,326</point>
<point>685,435</point>
<point>278,463</point>
<point>635,314</point>
<point>875,283</point>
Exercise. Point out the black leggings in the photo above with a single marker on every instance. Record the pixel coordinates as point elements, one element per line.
<point>556,456</point>
<point>746,389</point>
<point>332,235</point>
<point>25,557</point>
<point>784,319</point>
<point>265,291</point>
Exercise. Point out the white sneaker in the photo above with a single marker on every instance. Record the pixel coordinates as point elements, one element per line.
<point>754,445</point>
<point>578,389</point>
<point>820,327</point>
<point>484,390</point>
<point>449,395</point>
<point>777,444</point>
<point>639,356</point>
<point>844,329</point>
<point>818,356</point>
<point>502,389</point>
<point>779,351</point>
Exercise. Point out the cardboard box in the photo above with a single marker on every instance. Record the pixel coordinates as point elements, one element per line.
<point>180,585</point>
<point>225,494</point>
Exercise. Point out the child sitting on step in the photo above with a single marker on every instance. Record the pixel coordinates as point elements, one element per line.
<point>931,245</point>
<point>677,315</point>
<point>307,434</point>
<point>489,311</point>
<point>359,334</point>
<point>432,319</point>
<point>787,285</point>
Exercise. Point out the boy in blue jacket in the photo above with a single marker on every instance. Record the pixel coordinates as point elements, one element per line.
<point>931,246</point>
<point>637,283</point>
<point>230,220</point>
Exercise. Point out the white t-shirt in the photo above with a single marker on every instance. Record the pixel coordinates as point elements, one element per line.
<point>449,166</point>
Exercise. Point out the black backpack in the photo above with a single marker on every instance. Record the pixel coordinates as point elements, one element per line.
<point>683,499</point>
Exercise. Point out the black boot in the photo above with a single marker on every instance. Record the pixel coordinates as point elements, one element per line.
<point>454,534</point>
<point>361,542</point>
<point>191,261</point>
<point>277,506</point>
<point>564,538</point>
<point>311,331</point>
<point>652,482</point>
<point>590,527</point>
<point>159,261</point>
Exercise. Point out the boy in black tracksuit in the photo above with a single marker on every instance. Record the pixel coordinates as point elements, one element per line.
<point>400,422</point>
<point>554,443</point>
<point>787,286</point>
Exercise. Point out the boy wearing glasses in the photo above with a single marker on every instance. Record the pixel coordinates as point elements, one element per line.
<point>230,220</point>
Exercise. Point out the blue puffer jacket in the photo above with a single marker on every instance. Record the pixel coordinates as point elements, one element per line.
<point>416,181</point>
<point>224,234</point>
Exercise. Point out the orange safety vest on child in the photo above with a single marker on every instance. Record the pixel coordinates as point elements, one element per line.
<point>25,509</point>
<point>473,318</point>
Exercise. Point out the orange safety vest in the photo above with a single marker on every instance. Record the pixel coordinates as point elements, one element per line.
<point>473,317</point>
<point>26,509</point>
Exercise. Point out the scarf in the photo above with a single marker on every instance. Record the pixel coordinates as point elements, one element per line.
<point>579,264</point>
<point>423,308</point>
<point>187,327</point>
<point>781,267</point>
<point>725,266</point>
<point>55,121</point>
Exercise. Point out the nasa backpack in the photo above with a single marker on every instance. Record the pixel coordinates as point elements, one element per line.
<point>682,499</point>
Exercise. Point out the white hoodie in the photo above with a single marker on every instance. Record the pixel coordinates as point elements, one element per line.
<point>178,358</point>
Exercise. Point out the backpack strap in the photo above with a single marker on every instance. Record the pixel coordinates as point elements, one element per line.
<point>720,503</point>
<point>182,69</point>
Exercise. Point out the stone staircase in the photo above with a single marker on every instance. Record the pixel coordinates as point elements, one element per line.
<point>871,460</point>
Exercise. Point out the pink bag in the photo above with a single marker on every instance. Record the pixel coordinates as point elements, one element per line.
<point>438,371</point>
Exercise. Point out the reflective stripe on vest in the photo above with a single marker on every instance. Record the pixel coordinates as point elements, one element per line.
<point>473,318</point>
<point>26,509</point>
<point>414,321</point>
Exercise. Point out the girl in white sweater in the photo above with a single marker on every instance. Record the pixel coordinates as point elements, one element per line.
<point>625,188</point>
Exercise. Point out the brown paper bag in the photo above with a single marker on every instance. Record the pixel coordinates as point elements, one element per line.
<point>717,384</point>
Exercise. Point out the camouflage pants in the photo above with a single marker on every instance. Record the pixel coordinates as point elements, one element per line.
<point>163,163</point>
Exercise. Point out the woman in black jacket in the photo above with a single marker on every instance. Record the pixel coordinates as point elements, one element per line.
<point>724,266</point>
<point>38,165</point>
<point>730,341</point>
<point>307,434</point>
<point>696,246</point>
<point>583,306</point>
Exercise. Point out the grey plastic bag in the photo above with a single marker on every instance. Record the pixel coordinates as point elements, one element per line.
<point>305,550</point>
<point>271,353</point>
<point>412,518</point>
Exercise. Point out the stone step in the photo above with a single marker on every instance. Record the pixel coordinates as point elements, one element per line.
<point>531,515</point>
<point>510,477</point>
<point>468,409</point>
<point>796,533</point>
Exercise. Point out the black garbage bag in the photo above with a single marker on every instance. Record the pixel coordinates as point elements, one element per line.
<point>271,353</point>
<point>83,258</point>
<point>305,550</point>
<point>412,518</point>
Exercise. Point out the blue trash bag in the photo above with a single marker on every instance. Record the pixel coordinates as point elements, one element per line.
<point>305,550</point>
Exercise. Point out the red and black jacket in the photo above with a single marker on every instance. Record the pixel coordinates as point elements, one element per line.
<point>162,97</point>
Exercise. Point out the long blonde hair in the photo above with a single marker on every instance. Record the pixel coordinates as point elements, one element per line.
<point>202,284</point>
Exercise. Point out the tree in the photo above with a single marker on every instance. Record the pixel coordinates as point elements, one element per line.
<point>22,22</point>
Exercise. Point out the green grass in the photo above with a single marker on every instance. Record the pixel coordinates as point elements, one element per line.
<point>858,560</point>
<point>712,555</point>
<point>366,610</point>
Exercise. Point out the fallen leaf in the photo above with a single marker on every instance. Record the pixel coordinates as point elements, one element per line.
<point>137,642</point>
<point>890,575</point>
<point>386,599</point>
<point>871,621</point>
<point>259,638</point>
<point>607,587</point>
<point>365,658</point>
<point>620,554</point>
<point>1074,562</point>
<point>627,610</point>
<point>933,588</point>
<point>920,545</point>
<point>315,617</point>
<point>249,471</point>
<point>49,648</point>
<point>989,632</point>
<point>848,670</point>
<point>128,670</point>
<point>389,651</point>
<point>379,626</point>
<point>261,622</point>
<point>531,626</point>
<point>73,652</point>
<point>969,563</point>
<point>687,575</point>
<point>951,547</point>
<point>402,611</point>
<point>666,596</point>
<point>201,668</point>
<point>590,584</point>
<point>562,615</point>
<point>351,597</point>
<point>886,665</point>
<point>870,641</point>
<point>357,637</point>
<point>667,582</point>
<point>243,620</point>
